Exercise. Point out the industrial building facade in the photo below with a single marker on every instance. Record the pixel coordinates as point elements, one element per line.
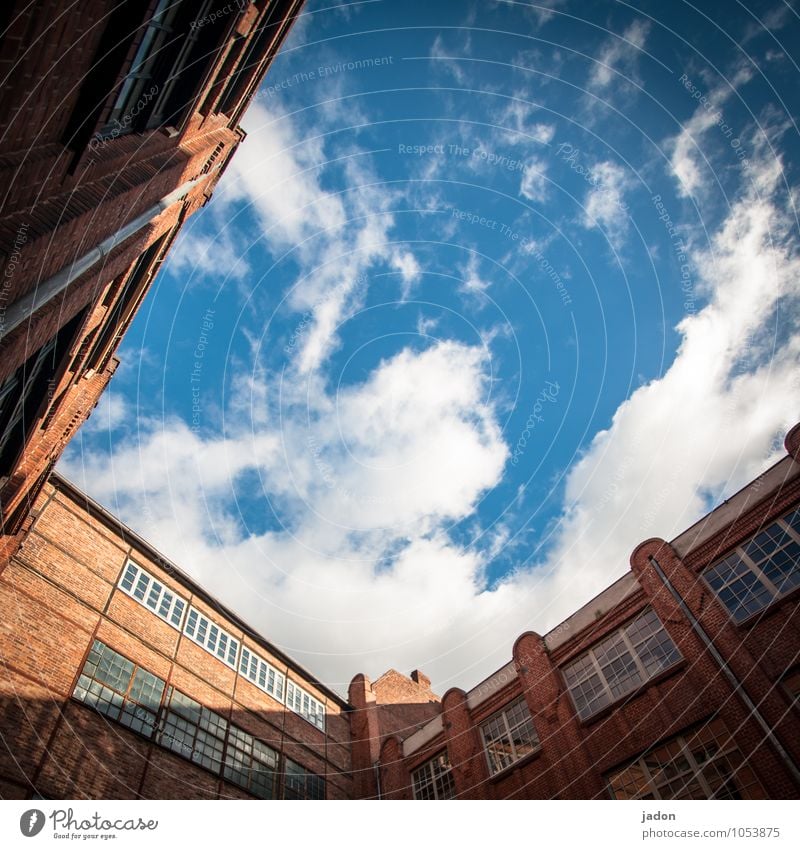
<point>679,681</point>
<point>122,678</point>
<point>117,120</point>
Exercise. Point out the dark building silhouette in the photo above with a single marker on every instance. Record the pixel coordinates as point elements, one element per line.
<point>116,121</point>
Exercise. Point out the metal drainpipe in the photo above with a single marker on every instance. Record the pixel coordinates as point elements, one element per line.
<point>727,672</point>
<point>377,767</point>
<point>45,292</point>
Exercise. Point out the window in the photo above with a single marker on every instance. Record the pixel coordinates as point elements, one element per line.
<point>122,301</point>
<point>171,61</point>
<point>261,674</point>
<point>299,783</point>
<point>117,688</point>
<point>211,637</point>
<point>151,593</point>
<point>122,23</point>
<point>509,735</point>
<point>192,731</point>
<point>26,394</point>
<point>620,663</point>
<point>434,779</point>
<point>759,571</point>
<point>251,764</point>
<point>305,704</point>
<point>123,691</point>
<point>704,764</point>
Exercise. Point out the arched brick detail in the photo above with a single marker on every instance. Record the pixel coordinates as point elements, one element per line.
<point>564,759</point>
<point>395,778</point>
<point>464,747</point>
<point>792,442</point>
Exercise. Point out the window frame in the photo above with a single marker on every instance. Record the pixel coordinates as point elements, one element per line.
<point>508,734</point>
<point>200,728</point>
<point>632,651</point>
<point>245,666</point>
<point>428,775</point>
<point>755,570</point>
<point>235,744</point>
<point>204,641</point>
<point>309,779</point>
<point>215,728</point>
<point>177,599</point>
<point>683,741</point>
<point>316,718</point>
<point>125,696</point>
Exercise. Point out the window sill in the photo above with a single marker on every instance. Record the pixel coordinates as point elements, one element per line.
<point>506,771</point>
<point>676,667</point>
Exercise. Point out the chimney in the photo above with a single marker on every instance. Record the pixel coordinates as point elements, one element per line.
<point>421,679</point>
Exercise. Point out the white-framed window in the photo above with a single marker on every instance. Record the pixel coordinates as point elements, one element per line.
<point>211,637</point>
<point>702,764</point>
<point>760,570</point>
<point>434,779</point>
<point>620,663</point>
<point>509,735</point>
<point>261,673</point>
<point>147,590</point>
<point>305,704</point>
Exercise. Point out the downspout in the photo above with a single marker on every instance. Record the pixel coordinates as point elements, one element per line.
<point>26,306</point>
<point>377,767</point>
<point>727,672</point>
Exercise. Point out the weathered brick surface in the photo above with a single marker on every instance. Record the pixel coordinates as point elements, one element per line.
<point>90,758</point>
<point>28,715</point>
<point>133,617</point>
<point>55,605</point>
<point>575,756</point>
<point>60,198</point>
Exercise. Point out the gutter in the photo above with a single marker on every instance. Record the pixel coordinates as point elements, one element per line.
<point>43,293</point>
<point>728,672</point>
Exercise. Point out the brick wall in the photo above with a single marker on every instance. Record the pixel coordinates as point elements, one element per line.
<point>59,593</point>
<point>575,756</point>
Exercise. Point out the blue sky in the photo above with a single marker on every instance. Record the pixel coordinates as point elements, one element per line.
<point>490,293</point>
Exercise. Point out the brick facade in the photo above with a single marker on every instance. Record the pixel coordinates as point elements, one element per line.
<point>575,757</point>
<point>76,169</point>
<point>60,593</point>
<point>62,590</point>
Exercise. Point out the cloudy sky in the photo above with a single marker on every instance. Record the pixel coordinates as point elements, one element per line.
<point>492,292</point>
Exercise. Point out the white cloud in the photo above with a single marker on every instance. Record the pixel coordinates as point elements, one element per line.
<point>406,263</point>
<point>519,116</point>
<point>204,252</point>
<point>604,205</point>
<point>112,411</point>
<point>619,55</point>
<point>535,184</point>
<point>364,574</point>
<point>688,158</point>
<point>335,236</point>
<point>447,58</point>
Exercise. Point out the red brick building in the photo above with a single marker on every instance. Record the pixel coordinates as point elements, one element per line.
<point>123,678</point>
<point>116,122</point>
<point>681,680</point>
